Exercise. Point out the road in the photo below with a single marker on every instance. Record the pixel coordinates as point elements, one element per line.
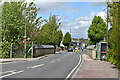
<point>55,66</point>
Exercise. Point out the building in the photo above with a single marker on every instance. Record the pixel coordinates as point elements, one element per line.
<point>78,42</point>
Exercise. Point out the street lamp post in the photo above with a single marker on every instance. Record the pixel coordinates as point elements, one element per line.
<point>25,37</point>
<point>107,25</point>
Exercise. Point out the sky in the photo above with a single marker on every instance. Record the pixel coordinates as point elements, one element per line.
<point>76,17</point>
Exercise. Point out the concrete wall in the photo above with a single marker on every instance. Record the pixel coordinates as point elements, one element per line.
<point>91,53</point>
<point>40,52</point>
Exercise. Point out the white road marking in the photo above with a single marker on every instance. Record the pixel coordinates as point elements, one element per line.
<point>73,76</point>
<point>8,63</point>
<point>35,66</point>
<point>68,76</point>
<point>58,59</point>
<point>63,57</point>
<point>52,54</point>
<point>7,71</point>
<point>47,57</point>
<point>44,58</point>
<point>11,74</point>
<point>52,61</point>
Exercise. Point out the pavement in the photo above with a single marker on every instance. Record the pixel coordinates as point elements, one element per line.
<point>95,70</point>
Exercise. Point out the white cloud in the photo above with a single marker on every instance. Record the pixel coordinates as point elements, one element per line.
<point>71,10</point>
<point>98,4</point>
<point>76,27</point>
<point>82,18</point>
<point>79,26</point>
<point>84,22</point>
<point>92,14</point>
<point>102,15</point>
<point>51,7</point>
<point>68,0</point>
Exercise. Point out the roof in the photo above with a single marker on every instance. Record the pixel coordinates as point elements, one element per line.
<point>91,47</point>
<point>43,46</point>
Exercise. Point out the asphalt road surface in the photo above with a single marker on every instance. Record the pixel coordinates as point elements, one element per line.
<point>56,66</point>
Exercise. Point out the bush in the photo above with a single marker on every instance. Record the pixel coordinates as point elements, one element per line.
<point>5,49</point>
<point>114,33</point>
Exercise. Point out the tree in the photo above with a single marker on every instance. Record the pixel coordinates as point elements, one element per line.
<point>67,39</point>
<point>0,24</point>
<point>97,30</point>
<point>15,15</point>
<point>50,33</point>
<point>60,37</point>
<point>12,20</point>
<point>114,33</point>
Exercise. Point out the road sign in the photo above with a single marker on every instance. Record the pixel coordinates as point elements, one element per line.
<point>24,41</point>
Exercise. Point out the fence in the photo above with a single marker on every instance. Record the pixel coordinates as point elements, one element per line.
<point>18,51</point>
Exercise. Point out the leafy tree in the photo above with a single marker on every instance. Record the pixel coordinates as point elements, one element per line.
<point>0,23</point>
<point>114,33</point>
<point>15,16</point>
<point>97,30</point>
<point>32,23</point>
<point>67,39</point>
<point>60,37</point>
<point>50,33</point>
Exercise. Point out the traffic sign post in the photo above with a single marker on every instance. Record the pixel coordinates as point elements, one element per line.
<point>25,41</point>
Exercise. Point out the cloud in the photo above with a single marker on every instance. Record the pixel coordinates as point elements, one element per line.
<point>86,18</point>
<point>98,4</point>
<point>68,0</point>
<point>50,7</point>
<point>71,10</point>
<point>79,26</point>
<point>103,15</point>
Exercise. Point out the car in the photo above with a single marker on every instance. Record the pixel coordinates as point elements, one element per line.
<point>70,49</point>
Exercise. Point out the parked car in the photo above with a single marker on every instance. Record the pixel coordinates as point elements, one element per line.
<point>70,49</point>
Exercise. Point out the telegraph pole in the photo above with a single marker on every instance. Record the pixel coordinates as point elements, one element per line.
<point>70,31</point>
<point>107,25</point>
<point>25,37</point>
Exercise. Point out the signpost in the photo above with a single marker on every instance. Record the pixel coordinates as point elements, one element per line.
<point>25,41</point>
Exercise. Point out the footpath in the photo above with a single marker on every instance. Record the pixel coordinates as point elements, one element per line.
<point>95,70</point>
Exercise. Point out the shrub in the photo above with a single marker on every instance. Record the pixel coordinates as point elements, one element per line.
<point>5,49</point>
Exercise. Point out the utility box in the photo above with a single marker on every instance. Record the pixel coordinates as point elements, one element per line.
<point>101,50</point>
<point>40,50</point>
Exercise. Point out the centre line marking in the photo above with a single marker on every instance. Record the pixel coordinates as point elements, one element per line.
<point>11,74</point>
<point>52,61</point>
<point>58,59</point>
<point>7,71</point>
<point>35,66</point>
